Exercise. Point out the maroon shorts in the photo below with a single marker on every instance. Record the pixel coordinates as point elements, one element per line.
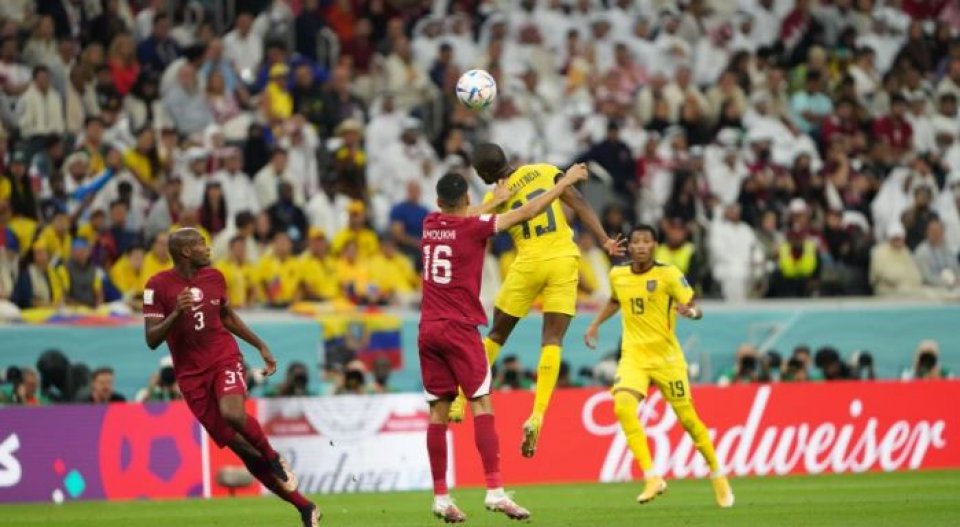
<point>203,398</point>
<point>451,356</point>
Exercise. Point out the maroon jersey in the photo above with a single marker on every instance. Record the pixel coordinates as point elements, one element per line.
<point>453,250</point>
<point>198,341</point>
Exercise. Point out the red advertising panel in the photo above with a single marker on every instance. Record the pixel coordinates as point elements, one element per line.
<point>807,428</point>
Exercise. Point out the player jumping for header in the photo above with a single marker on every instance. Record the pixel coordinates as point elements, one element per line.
<point>649,294</point>
<point>187,306</point>
<point>452,356</point>
<point>547,264</point>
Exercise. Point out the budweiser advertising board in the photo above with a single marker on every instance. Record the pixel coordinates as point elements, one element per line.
<point>759,429</point>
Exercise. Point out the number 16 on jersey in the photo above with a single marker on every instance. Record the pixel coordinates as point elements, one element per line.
<point>437,267</point>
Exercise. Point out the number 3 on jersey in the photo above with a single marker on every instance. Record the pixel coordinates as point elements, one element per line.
<point>198,315</point>
<point>437,267</point>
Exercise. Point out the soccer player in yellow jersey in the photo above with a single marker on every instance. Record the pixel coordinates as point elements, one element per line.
<point>547,263</point>
<point>651,294</point>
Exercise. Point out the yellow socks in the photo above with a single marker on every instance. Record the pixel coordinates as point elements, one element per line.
<point>698,432</point>
<point>492,349</point>
<point>547,372</point>
<point>625,406</point>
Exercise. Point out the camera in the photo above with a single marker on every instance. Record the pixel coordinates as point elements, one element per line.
<point>748,364</point>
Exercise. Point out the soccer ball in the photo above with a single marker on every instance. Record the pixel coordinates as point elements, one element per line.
<point>476,89</point>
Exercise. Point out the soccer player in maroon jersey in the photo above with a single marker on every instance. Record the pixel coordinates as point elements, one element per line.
<point>187,306</point>
<point>451,351</point>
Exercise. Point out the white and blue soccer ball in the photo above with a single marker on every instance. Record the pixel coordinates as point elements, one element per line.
<point>476,89</point>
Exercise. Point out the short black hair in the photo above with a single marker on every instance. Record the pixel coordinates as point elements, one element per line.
<point>101,371</point>
<point>451,189</point>
<point>40,69</point>
<point>118,203</point>
<point>643,227</point>
<point>490,162</point>
<point>159,17</point>
<point>243,219</point>
<point>236,239</point>
<point>90,119</point>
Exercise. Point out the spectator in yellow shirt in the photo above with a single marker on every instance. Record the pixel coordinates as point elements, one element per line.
<point>56,237</point>
<point>395,276</point>
<point>320,280</point>
<point>143,161</point>
<point>277,101</point>
<point>240,275</point>
<point>39,283</point>
<point>126,271</point>
<point>676,249</point>
<point>156,260</point>
<point>279,272</point>
<point>357,232</point>
<point>355,277</point>
<point>190,219</point>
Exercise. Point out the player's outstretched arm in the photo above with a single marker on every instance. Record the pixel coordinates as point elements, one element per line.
<point>610,309</point>
<point>572,198</point>
<point>234,324</point>
<point>689,310</point>
<point>501,194</point>
<point>574,175</point>
<point>156,329</point>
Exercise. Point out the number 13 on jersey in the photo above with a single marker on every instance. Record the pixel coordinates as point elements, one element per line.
<point>437,267</point>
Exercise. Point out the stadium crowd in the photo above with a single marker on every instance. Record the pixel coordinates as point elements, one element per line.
<point>784,148</point>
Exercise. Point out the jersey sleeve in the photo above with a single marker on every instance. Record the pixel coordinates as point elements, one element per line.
<point>221,287</point>
<point>153,305</point>
<point>680,289</point>
<point>613,289</point>
<point>483,226</point>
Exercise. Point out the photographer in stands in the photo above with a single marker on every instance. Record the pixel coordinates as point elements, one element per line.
<point>926,363</point>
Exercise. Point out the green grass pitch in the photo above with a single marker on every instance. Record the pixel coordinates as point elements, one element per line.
<point>902,499</point>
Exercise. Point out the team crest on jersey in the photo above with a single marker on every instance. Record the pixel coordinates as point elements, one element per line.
<point>148,297</point>
<point>196,294</point>
<point>651,285</point>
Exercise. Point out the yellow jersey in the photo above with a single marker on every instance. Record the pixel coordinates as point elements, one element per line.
<point>139,164</point>
<point>368,245</point>
<point>58,246</point>
<point>6,189</point>
<point>395,274</point>
<point>124,276</point>
<point>547,235</point>
<point>280,279</point>
<point>151,266</point>
<point>240,279</point>
<point>320,277</point>
<point>648,312</point>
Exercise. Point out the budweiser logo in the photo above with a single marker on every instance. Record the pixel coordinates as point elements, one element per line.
<point>858,442</point>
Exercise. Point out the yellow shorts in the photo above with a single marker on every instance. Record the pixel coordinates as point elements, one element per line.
<point>556,279</point>
<point>672,381</point>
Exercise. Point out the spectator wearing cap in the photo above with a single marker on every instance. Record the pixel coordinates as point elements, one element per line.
<point>239,273</point>
<point>276,101</point>
<point>267,181</point>
<point>406,222</point>
<point>357,231</point>
<point>186,104</point>
<point>42,110</point>
<point>237,186</point>
<point>159,50</point>
<point>938,264</point>
<point>38,283</point>
<point>350,160</point>
<point>319,269</point>
<point>82,279</point>
<point>893,271</point>
<point>279,272</point>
